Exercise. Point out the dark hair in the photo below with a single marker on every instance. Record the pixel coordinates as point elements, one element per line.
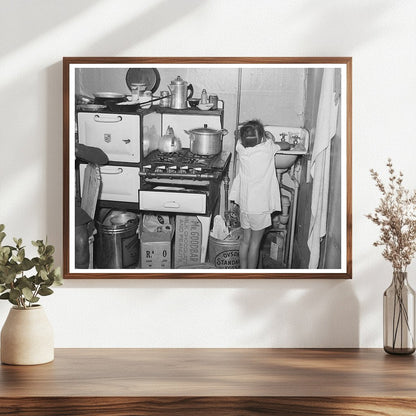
<point>252,133</point>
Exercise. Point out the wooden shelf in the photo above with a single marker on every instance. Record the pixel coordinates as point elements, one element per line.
<point>190,111</point>
<point>212,382</point>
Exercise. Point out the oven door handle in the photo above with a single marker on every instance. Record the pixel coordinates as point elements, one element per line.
<point>107,119</point>
<point>117,171</point>
<point>171,204</point>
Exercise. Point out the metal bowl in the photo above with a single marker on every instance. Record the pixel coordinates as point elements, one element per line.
<point>193,102</point>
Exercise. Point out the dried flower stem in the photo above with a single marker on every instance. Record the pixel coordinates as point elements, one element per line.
<point>396,216</point>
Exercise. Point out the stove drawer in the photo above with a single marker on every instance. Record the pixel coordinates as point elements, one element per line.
<point>172,202</point>
<point>119,183</point>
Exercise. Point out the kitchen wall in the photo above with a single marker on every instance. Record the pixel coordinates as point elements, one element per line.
<point>378,34</point>
<point>274,96</point>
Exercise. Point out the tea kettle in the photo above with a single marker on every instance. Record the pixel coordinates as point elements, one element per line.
<point>180,91</point>
<point>169,143</point>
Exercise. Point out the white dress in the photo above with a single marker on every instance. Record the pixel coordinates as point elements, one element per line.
<point>255,188</point>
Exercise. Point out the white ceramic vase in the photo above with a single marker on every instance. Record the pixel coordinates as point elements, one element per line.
<point>27,337</point>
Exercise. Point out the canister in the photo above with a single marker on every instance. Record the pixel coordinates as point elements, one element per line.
<point>165,101</point>
<point>214,100</point>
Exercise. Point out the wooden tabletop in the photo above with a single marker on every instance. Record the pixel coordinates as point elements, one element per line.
<point>231,381</point>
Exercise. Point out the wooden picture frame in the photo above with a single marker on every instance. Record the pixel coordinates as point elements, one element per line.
<point>305,102</point>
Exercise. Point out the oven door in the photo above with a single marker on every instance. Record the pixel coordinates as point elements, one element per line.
<point>167,199</point>
<point>119,183</point>
<point>116,134</point>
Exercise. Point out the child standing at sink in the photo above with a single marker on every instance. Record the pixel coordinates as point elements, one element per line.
<point>255,188</point>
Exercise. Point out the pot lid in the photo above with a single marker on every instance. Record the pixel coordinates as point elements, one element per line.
<point>148,76</point>
<point>205,130</point>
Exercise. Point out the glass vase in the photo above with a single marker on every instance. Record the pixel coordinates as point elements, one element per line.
<point>399,316</point>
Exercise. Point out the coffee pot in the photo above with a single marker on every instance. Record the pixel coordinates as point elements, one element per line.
<point>180,91</point>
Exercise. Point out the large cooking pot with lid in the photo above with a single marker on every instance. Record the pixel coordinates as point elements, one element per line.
<point>206,141</point>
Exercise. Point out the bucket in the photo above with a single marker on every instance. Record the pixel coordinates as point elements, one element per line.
<point>116,244</point>
<point>224,254</point>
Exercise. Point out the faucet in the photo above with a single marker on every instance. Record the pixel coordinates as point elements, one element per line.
<point>295,139</point>
<point>283,137</point>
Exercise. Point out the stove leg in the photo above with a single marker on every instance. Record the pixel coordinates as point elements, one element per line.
<point>205,222</point>
<point>226,189</point>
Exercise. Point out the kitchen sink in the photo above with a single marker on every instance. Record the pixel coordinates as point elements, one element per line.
<point>296,136</point>
<point>285,159</point>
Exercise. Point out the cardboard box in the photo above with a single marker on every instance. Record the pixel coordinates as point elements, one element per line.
<point>155,249</point>
<point>188,240</point>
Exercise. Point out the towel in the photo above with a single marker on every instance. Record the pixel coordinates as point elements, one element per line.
<point>320,163</point>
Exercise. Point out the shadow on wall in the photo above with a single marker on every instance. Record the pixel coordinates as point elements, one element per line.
<point>54,146</point>
<point>141,27</point>
<point>336,18</point>
<point>45,17</point>
<point>301,314</point>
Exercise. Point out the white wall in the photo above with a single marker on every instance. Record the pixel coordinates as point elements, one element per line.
<point>380,36</point>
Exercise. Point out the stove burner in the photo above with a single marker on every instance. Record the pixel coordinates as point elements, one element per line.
<point>186,157</point>
<point>184,164</point>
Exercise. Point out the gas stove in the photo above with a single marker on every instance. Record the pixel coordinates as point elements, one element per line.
<point>185,183</point>
<point>184,165</point>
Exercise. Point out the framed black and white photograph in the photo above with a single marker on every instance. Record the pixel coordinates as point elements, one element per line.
<point>207,167</point>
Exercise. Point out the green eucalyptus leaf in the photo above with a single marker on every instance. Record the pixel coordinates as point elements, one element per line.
<point>2,227</point>
<point>45,291</point>
<point>5,295</point>
<point>58,276</point>
<point>37,280</point>
<point>2,236</point>
<point>3,271</point>
<point>26,264</point>
<point>49,250</point>
<point>27,293</point>
<point>21,255</point>
<point>18,242</point>
<point>15,293</point>
<point>48,260</point>
<point>43,274</point>
<point>9,277</point>
<point>24,282</point>
<point>5,253</point>
<point>2,288</point>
